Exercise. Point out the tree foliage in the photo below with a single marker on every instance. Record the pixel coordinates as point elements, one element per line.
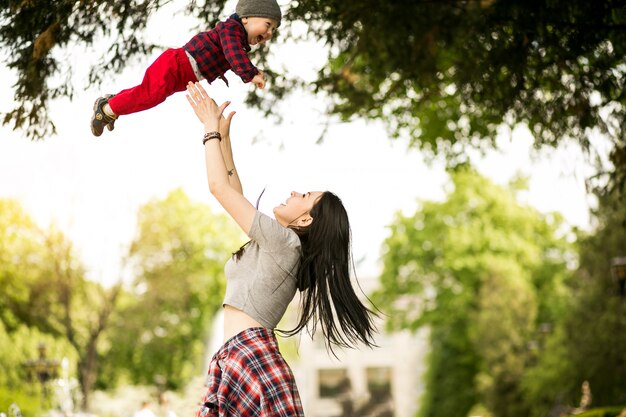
<point>446,73</point>
<point>156,329</point>
<point>154,332</point>
<point>161,328</point>
<point>485,273</point>
<point>585,345</point>
<point>21,248</point>
<point>596,327</point>
<point>46,289</point>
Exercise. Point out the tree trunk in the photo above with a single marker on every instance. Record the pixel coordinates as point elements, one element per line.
<point>87,367</point>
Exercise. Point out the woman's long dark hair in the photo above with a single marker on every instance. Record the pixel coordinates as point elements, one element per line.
<point>328,297</point>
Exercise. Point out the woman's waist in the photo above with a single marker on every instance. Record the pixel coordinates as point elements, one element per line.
<point>236,321</point>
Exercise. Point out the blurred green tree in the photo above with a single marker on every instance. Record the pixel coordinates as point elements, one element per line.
<point>45,288</point>
<point>446,74</point>
<point>596,327</point>
<point>153,332</point>
<point>160,330</point>
<point>588,342</point>
<point>21,249</point>
<point>484,272</point>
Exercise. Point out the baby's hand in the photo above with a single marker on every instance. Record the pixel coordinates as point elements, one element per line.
<point>259,80</point>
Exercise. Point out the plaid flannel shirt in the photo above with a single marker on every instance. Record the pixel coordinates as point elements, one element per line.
<point>222,48</point>
<point>248,377</point>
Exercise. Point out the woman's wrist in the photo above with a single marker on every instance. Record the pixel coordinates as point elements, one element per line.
<point>211,135</point>
<point>211,127</point>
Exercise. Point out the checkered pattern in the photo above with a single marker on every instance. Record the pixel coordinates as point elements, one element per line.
<point>223,48</point>
<point>249,377</point>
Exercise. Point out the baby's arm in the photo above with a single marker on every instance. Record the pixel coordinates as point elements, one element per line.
<point>233,49</point>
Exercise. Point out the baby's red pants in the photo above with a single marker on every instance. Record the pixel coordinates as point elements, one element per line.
<point>169,73</point>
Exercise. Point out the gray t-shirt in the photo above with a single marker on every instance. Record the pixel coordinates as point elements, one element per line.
<point>262,282</point>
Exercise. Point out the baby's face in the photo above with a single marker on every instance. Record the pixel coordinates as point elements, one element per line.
<point>260,29</point>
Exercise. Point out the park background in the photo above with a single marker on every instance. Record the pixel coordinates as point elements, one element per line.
<point>125,225</point>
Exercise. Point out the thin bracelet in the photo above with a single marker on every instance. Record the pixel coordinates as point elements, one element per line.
<point>205,140</point>
<point>211,135</point>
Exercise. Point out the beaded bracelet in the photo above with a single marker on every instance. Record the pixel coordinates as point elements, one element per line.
<point>211,135</point>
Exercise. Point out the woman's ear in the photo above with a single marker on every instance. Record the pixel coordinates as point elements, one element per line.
<point>305,220</point>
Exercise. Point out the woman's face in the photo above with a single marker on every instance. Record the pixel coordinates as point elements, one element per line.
<point>295,211</point>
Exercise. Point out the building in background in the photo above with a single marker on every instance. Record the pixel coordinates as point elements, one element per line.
<point>382,382</point>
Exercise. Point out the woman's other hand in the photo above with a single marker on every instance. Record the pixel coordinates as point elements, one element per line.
<point>225,125</point>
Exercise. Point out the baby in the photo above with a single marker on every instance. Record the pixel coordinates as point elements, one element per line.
<point>208,55</point>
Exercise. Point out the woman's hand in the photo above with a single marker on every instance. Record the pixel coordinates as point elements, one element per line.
<point>225,125</point>
<point>205,108</point>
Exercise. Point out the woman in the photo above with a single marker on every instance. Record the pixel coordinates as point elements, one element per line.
<point>306,248</point>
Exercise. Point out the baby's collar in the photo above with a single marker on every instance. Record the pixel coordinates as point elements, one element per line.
<point>236,17</point>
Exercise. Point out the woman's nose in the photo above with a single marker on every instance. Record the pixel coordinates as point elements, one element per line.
<point>293,193</point>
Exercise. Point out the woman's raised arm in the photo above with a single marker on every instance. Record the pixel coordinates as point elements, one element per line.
<point>227,153</point>
<point>224,188</point>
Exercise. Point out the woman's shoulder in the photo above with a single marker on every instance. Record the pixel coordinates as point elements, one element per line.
<point>267,232</point>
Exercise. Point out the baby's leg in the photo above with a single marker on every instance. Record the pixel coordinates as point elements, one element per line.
<point>107,109</point>
<point>168,74</point>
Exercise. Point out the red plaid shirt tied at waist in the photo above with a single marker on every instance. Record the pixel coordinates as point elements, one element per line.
<point>248,377</point>
<point>222,48</point>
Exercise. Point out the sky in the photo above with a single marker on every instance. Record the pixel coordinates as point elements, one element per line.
<point>92,187</point>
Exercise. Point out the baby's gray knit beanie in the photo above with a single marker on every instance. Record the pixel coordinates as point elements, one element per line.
<point>259,8</point>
